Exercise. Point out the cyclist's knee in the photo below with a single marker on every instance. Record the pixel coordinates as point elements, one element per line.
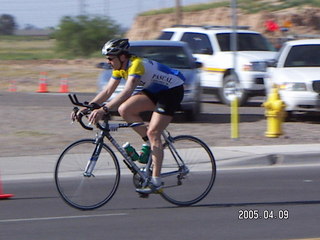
<point>153,134</point>
<point>122,110</point>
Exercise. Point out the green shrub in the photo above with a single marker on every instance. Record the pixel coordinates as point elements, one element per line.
<point>83,35</point>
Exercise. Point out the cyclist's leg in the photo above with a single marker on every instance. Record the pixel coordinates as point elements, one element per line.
<point>158,123</point>
<point>167,103</point>
<point>130,111</point>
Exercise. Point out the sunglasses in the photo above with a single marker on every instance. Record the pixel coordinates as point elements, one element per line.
<point>110,58</point>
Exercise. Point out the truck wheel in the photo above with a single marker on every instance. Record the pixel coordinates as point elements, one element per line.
<point>229,88</point>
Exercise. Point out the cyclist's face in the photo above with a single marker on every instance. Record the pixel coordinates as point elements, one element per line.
<point>114,61</point>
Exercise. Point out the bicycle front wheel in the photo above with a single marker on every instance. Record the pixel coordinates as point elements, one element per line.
<point>189,180</point>
<point>83,192</point>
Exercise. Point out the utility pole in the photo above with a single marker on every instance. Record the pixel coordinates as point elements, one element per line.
<point>82,8</point>
<point>234,49</point>
<point>106,5</point>
<point>178,12</point>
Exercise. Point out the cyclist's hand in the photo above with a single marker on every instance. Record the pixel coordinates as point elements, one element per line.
<point>96,115</point>
<point>76,113</point>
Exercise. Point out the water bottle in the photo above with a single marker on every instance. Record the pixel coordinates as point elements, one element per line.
<point>131,151</point>
<point>144,153</point>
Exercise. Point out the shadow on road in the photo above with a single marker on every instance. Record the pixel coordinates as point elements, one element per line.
<point>311,117</point>
<point>219,118</point>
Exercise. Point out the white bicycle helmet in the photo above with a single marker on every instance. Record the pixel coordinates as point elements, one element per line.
<point>116,47</point>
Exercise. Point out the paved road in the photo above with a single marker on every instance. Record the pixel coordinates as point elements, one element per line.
<point>288,193</point>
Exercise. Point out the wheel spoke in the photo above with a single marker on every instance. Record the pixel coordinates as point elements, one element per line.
<point>86,192</point>
<point>196,179</point>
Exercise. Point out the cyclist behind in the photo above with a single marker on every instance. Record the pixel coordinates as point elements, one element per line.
<point>162,93</point>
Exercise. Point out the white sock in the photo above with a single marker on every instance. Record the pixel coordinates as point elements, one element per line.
<point>156,181</point>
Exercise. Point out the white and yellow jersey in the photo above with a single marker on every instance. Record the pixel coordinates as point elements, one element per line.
<point>154,76</point>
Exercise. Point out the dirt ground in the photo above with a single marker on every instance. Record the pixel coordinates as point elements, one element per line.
<point>25,75</point>
<point>39,123</point>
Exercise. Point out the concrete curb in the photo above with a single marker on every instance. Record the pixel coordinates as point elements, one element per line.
<point>39,167</point>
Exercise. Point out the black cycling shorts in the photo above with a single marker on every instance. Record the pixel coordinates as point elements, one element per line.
<point>167,101</point>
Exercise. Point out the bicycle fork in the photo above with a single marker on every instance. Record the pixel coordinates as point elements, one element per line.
<point>88,172</point>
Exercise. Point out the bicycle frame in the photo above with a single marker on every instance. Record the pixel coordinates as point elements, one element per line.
<point>183,170</point>
<point>145,172</point>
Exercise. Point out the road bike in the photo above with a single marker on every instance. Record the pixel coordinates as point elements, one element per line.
<point>87,173</point>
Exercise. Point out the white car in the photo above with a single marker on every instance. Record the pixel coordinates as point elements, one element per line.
<point>296,72</point>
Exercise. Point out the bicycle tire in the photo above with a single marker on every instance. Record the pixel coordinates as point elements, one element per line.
<point>86,193</point>
<point>196,184</point>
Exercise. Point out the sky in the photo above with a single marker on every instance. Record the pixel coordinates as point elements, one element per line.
<point>48,13</point>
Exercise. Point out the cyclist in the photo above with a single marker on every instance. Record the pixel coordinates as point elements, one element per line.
<point>162,93</point>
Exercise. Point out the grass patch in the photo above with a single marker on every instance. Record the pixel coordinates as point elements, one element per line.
<point>17,48</point>
<point>249,6</point>
<point>190,8</point>
<point>256,6</point>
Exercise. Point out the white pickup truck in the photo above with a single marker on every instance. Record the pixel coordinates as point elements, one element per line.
<point>211,46</point>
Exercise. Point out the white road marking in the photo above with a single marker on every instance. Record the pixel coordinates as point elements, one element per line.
<point>59,218</point>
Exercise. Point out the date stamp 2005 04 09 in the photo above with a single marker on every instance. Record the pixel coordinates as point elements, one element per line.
<point>255,214</point>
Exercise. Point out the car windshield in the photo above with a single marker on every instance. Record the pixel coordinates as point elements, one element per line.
<point>245,42</point>
<point>172,56</point>
<point>304,56</point>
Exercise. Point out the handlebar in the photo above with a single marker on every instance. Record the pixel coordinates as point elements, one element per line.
<point>92,106</point>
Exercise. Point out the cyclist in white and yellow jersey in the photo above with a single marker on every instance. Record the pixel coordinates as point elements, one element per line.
<point>162,93</point>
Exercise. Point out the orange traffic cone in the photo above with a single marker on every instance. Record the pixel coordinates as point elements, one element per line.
<point>43,83</point>
<point>2,195</point>
<point>12,86</point>
<point>64,88</point>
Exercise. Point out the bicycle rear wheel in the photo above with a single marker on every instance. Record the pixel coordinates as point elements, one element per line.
<point>199,175</point>
<point>86,193</point>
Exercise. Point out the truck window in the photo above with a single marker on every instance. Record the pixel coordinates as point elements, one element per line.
<point>245,42</point>
<point>165,36</point>
<point>198,42</point>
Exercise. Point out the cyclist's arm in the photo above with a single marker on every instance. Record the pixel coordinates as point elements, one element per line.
<point>131,83</point>
<point>101,97</point>
<point>105,94</point>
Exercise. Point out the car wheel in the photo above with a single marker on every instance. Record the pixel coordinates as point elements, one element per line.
<point>193,113</point>
<point>288,116</point>
<point>230,88</point>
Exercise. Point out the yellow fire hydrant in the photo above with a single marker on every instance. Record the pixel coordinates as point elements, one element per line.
<point>275,113</point>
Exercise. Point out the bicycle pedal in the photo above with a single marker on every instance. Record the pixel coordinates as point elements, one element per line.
<point>160,191</point>
<point>142,195</point>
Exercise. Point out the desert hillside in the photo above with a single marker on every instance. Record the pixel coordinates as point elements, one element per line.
<point>304,20</point>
